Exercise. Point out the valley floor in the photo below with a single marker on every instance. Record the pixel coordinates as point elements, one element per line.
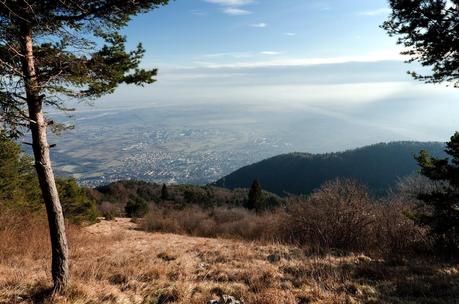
<point>114,262</point>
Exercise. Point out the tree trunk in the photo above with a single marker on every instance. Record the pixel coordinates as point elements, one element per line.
<point>38,127</point>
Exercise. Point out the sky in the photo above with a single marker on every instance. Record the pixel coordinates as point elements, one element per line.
<point>227,32</point>
<point>327,56</point>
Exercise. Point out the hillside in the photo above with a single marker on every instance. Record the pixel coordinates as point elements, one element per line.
<point>114,262</point>
<point>377,166</point>
<point>118,194</point>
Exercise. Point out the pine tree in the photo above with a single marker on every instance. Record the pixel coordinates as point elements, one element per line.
<point>18,183</point>
<point>430,32</point>
<point>56,49</point>
<point>9,169</point>
<point>164,193</point>
<point>442,216</point>
<point>76,204</point>
<point>255,197</point>
<point>136,207</point>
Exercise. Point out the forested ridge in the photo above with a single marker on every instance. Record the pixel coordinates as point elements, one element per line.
<point>378,166</point>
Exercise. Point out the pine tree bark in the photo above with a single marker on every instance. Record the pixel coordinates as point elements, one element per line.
<point>38,127</point>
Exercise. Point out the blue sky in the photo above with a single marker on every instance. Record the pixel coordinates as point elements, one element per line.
<point>195,32</point>
<point>322,56</point>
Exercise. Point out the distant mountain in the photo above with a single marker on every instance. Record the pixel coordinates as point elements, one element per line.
<point>377,166</point>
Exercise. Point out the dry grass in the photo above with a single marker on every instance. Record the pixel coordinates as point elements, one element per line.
<point>114,262</point>
<point>233,223</point>
<point>340,217</point>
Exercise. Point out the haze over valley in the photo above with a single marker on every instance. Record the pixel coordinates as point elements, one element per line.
<point>225,124</point>
<point>260,79</point>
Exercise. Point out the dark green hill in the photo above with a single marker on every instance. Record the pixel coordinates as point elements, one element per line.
<point>377,166</point>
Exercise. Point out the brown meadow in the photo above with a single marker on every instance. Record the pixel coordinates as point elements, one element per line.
<point>115,262</point>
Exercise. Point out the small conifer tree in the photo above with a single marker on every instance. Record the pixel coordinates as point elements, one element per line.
<point>18,183</point>
<point>9,169</point>
<point>442,214</point>
<point>255,198</point>
<point>136,208</point>
<point>164,193</point>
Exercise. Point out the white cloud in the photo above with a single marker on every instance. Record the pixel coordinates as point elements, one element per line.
<point>198,13</point>
<point>259,25</point>
<point>229,54</point>
<point>231,2</point>
<point>372,57</point>
<point>272,53</point>
<point>376,12</point>
<point>290,34</point>
<point>232,7</point>
<point>233,11</point>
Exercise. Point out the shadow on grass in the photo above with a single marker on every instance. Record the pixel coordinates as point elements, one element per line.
<point>39,294</point>
<point>407,281</point>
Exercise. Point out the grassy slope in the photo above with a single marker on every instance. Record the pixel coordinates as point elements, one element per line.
<point>113,262</point>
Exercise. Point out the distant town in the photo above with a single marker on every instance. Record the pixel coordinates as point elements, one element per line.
<point>163,150</point>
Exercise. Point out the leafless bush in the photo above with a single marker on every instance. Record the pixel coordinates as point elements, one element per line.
<point>410,187</point>
<point>215,222</point>
<point>337,216</point>
<point>109,210</point>
<point>340,216</point>
<point>395,232</point>
<point>162,220</point>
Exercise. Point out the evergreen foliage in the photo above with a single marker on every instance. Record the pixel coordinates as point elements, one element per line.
<point>19,187</point>
<point>76,205</point>
<point>118,194</point>
<point>379,167</point>
<point>164,193</point>
<point>9,169</point>
<point>430,32</point>
<point>70,59</point>
<point>136,207</point>
<point>18,183</point>
<point>202,196</point>
<point>255,197</point>
<point>442,214</point>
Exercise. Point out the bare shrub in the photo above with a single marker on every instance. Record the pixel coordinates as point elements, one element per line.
<point>410,187</point>
<point>337,216</point>
<point>161,220</point>
<point>395,232</point>
<point>108,210</point>
<point>194,221</point>
<point>235,223</point>
<point>342,216</point>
